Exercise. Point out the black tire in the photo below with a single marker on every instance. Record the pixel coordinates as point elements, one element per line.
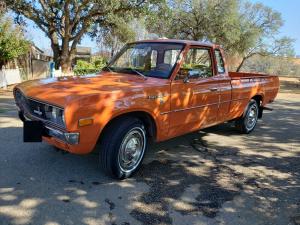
<point>243,123</point>
<point>112,141</point>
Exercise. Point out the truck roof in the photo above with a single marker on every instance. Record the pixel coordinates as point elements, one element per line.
<point>188,42</point>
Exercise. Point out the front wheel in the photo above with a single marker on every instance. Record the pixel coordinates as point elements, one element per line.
<point>122,148</point>
<point>248,121</point>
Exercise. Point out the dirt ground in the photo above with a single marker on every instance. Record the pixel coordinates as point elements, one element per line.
<point>214,176</point>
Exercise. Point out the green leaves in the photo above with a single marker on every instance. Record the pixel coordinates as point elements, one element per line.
<point>84,67</point>
<point>241,27</point>
<point>200,20</point>
<point>12,41</point>
<point>65,22</point>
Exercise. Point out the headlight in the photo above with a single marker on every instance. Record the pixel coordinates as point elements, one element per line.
<point>55,114</point>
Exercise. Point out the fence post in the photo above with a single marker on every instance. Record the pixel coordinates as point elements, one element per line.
<point>4,81</point>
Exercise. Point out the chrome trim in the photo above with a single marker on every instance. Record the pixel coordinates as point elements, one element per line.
<point>28,119</point>
<point>153,97</point>
<point>58,130</point>
<point>46,122</point>
<point>195,107</point>
<point>164,113</point>
<point>44,102</point>
<point>39,112</point>
<point>55,130</point>
<point>63,137</point>
<point>132,150</point>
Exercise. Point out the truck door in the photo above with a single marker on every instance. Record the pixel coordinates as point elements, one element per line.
<point>194,93</point>
<point>224,86</point>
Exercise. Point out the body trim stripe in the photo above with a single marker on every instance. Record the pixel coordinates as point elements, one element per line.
<point>201,106</point>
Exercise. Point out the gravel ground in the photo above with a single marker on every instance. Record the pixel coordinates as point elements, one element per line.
<point>214,176</point>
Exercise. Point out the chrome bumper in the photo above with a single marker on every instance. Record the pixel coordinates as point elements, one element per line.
<point>71,138</point>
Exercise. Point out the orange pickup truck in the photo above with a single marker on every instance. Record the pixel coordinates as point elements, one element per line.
<point>151,90</point>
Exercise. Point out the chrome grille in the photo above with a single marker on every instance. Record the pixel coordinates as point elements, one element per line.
<point>39,109</point>
<point>33,107</point>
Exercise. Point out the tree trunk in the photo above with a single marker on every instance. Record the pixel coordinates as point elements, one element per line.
<point>245,58</point>
<point>55,46</point>
<point>56,53</point>
<point>241,64</point>
<point>66,64</point>
<point>112,52</point>
<point>67,59</point>
<point>2,63</point>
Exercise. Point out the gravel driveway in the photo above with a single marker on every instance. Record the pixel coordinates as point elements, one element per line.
<point>215,176</point>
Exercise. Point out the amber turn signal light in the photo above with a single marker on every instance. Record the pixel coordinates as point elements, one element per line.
<point>85,122</point>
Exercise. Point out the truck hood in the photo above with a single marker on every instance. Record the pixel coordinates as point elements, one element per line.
<point>62,90</point>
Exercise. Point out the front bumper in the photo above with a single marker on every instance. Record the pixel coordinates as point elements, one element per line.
<point>67,137</point>
<point>70,138</point>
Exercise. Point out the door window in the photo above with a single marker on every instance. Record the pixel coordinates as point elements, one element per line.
<point>220,62</point>
<point>197,64</point>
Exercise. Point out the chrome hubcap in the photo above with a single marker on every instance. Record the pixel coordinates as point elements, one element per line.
<point>132,149</point>
<point>252,117</point>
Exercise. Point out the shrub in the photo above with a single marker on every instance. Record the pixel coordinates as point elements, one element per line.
<point>84,68</point>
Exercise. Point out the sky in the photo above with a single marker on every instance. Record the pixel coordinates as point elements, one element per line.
<point>289,10</point>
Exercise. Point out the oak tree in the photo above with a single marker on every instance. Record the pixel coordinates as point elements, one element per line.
<point>259,28</point>
<point>65,22</point>
<point>244,29</point>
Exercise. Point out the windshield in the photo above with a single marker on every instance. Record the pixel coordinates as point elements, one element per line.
<point>149,59</point>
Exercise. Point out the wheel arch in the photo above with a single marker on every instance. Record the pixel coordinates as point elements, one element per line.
<point>145,117</point>
<point>259,99</point>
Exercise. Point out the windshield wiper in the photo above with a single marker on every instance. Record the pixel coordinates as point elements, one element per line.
<point>138,72</point>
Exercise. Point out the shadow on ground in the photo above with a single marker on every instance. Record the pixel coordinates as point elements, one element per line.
<point>215,176</point>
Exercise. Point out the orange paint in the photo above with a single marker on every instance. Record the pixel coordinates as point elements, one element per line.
<point>177,108</point>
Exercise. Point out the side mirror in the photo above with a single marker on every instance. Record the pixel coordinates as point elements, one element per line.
<point>190,75</point>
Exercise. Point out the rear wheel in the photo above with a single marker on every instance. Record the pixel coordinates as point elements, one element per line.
<point>248,121</point>
<point>122,147</point>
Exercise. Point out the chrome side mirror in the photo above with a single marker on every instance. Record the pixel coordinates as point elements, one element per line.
<point>186,79</point>
<point>191,74</point>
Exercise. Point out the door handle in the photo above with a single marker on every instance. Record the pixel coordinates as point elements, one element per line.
<point>213,89</point>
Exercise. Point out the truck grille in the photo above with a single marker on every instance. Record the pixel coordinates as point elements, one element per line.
<point>39,109</point>
<point>33,107</point>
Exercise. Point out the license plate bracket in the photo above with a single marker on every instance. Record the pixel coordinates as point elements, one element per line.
<point>32,131</point>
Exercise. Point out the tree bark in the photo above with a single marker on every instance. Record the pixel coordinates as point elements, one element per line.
<point>66,65</point>
<point>241,64</point>
<point>55,47</point>
<point>56,55</point>
<point>2,63</point>
<point>67,59</point>
<point>66,62</point>
<point>245,58</point>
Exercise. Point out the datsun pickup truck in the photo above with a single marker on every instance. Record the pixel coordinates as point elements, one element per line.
<point>152,90</point>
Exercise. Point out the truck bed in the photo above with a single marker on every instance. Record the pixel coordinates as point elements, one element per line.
<point>245,84</point>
